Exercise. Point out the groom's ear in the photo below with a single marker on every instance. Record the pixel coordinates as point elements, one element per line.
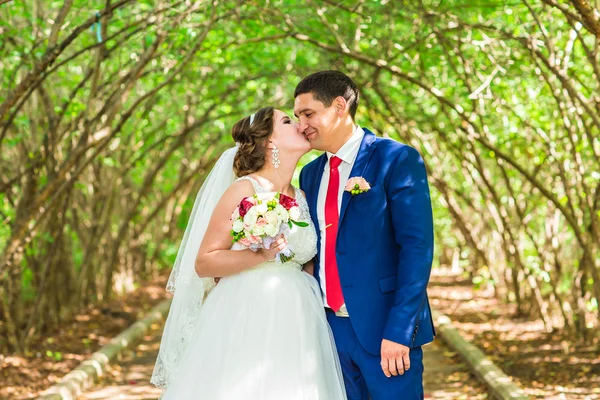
<point>340,105</point>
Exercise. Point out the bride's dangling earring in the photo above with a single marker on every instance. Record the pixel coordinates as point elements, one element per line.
<point>276,161</point>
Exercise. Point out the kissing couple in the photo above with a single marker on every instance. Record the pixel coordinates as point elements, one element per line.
<point>322,289</point>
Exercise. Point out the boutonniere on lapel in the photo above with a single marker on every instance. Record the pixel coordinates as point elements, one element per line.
<point>357,185</point>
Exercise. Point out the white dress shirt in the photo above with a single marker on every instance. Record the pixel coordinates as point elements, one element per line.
<point>347,153</point>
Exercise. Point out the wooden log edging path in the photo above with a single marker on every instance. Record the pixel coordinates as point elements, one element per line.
<point>499,384</point>
<point>89,371</point>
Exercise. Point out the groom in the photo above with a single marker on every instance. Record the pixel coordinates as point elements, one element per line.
<point>375,241</point>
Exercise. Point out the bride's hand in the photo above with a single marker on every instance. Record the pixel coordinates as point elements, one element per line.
<point>270,253</point>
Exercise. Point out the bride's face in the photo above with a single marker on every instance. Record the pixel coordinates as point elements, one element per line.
<point>286,135</point>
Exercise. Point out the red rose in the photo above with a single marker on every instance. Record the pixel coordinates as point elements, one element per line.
<point>287,202</point>
<point>244,206</point>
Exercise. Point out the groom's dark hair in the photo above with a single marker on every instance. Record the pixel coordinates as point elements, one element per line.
<point>325,86</point>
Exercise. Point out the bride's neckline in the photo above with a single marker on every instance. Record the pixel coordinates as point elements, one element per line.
<point>258,183</point>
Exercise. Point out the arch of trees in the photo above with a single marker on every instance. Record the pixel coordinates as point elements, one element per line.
<point>111,117</point>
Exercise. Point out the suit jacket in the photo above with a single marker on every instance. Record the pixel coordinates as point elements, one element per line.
<point>384,246</point>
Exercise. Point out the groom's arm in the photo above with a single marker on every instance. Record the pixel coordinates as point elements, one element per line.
<point>410,203</point>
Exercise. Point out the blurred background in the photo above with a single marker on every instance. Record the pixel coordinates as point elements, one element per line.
<point>112,113</point>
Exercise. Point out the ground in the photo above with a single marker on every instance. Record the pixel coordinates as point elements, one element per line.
<point>51,357</point>
<point>546,365</point>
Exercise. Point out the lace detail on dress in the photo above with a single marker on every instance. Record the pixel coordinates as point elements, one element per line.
<point>304,211</point>
<point>303,240</point>
<point>307,247</point>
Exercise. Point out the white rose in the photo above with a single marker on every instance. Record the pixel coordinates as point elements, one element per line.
<point>295,213</point>
<point>238,226</point>
<point>279,209</point>
<point>258,230</point>
<point>250,217</point>
<point>282,213</point>
<point>272,217</point>
<point>270,230</point>
<point>262,208</point>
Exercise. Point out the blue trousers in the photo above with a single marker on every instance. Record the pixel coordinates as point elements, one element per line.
<point>363,376</point>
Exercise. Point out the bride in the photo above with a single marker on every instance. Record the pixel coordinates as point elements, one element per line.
<point>261,333</point>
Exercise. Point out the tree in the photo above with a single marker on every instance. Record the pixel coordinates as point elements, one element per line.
<point>111,119</point>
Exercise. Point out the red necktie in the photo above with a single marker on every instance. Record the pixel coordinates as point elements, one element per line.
<point>335,298</point>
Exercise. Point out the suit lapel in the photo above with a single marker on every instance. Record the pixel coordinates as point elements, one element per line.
<point>315,185</point>
<point>359,167</point>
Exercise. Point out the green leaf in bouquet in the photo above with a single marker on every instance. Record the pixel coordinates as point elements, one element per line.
<point>299,223</point>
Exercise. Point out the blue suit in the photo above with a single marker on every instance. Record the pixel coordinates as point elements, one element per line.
<point>384,251</point>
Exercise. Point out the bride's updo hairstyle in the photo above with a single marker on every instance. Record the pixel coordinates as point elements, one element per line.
<point>252,140</point>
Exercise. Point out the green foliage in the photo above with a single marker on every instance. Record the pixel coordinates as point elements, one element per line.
<point>500,99</point>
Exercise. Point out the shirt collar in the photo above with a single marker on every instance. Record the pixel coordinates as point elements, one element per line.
<point>349,150</point>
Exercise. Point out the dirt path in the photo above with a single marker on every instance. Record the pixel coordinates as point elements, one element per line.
<point>445,376</point>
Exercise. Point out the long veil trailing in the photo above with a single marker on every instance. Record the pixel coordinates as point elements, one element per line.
<point>188,288</point>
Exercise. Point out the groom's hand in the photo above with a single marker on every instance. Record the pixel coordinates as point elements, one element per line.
<point>394,358</point>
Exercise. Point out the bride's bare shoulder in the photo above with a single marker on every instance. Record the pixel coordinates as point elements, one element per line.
<point>238,190</point>
<point>232,197</point>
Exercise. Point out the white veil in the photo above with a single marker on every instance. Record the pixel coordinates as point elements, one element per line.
<point>188,288</point>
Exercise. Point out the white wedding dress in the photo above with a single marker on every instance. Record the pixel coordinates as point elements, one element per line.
<point>263,334</point>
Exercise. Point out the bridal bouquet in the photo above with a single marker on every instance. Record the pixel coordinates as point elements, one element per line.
<point>260,219</point>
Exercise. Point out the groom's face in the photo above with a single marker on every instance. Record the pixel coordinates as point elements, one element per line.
<point>316,121</point>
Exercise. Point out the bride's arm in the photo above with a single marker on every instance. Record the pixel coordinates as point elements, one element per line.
<point>214,257</point>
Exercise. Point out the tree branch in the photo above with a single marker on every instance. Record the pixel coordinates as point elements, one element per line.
<point>47,60</point>
<point>589,14</point>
